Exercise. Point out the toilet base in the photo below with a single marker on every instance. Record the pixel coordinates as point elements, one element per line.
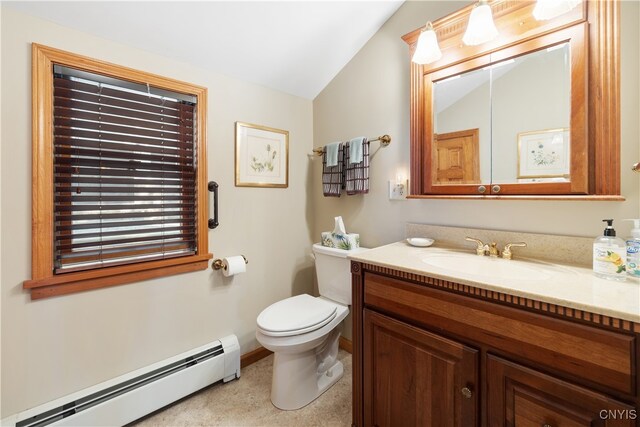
<point>299,378</point>
<point>291,389</point>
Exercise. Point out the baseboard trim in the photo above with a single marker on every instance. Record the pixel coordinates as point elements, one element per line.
<point>253,356</point>
<point>346,345</point>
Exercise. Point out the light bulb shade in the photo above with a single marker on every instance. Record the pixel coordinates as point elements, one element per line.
<point>480,28</point>
<point>427,49</point>
<point>549,9</point>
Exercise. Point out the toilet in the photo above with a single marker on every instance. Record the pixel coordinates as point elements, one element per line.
<point>303,331</point>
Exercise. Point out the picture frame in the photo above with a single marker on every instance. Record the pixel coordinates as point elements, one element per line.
<point>543,154</point>
<point>261,156</point>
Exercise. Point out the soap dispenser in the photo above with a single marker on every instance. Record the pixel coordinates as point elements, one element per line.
<point>609,254</point>
<point>633,249</point>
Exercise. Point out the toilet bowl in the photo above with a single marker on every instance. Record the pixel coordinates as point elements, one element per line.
<point>303,332</point>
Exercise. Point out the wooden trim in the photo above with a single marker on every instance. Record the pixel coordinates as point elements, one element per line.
<point>357,355</point>
<point>554,310</point>
<point>604,95</point>
<point>346,345</point>
<point>43,282</point>
<point>592,198</point>
<point>254,356</point>
<point>64,278</point>
<point>121,279</point>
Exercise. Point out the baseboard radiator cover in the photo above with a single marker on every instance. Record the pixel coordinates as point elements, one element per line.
<point>131,396</point>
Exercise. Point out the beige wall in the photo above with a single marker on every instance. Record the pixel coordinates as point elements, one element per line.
<point>56,346</point>
<point>371,96</point>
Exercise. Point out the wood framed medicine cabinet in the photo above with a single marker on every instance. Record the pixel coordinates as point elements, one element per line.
<point>589,35</point>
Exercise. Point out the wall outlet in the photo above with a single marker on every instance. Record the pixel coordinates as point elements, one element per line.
<point>398,189</point>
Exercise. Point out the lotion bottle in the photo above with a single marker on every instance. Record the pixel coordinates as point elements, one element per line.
<point>609,255</point>
<point>633,249</point>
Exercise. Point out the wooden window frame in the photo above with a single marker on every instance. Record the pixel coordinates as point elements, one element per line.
<point>44,283</point>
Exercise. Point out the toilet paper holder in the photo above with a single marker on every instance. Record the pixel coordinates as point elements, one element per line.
<point>219,265</point>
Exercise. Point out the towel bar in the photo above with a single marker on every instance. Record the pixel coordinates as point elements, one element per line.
<point>384,141</point>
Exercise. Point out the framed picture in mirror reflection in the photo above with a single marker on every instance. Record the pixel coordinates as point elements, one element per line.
<point>543,154</point>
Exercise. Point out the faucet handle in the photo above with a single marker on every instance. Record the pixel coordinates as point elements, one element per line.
<point>506,254</point>
<point>480,248</point>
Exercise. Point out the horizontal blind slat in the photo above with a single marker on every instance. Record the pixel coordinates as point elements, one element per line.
<point>127,165</point>
<point>113,224</point>
<point>129,155</point>
<point>186,117</point>
<point>158,123</point>
<point>62,93</point>
<point>101,261</point>
<point>79,133</point>
<point>131,174</point>
<point>122,146</point>
<point>108,243</point>
<point>65,237</point>
<point>106,129</point>
<point>84,216</point>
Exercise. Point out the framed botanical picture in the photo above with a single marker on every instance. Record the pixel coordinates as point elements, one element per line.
<point>543,154</point>
<point>262,156</point>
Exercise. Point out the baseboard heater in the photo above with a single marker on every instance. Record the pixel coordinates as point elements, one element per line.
<point>136,394</point>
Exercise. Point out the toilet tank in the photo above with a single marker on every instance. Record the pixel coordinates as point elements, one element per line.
<point>334,272</point>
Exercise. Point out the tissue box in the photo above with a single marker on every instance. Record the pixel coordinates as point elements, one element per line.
<point>346,241</point>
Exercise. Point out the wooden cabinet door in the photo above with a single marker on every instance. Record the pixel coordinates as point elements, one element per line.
<point>416,378</point>
<point>522,397</point>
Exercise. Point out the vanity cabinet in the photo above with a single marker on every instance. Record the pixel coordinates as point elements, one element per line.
<point>433,352</point>
<point>519,396</point>
<point>414,377</point>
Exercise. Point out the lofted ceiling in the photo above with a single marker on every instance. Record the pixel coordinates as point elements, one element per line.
<point>295,47</point>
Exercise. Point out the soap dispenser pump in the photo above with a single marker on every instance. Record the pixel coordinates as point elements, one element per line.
<point>633,249</point>
<point>609,254</point>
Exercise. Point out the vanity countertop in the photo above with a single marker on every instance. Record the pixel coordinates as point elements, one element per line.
<point>567,286</point>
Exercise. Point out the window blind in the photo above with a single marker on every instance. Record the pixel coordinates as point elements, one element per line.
<point>124,174</point>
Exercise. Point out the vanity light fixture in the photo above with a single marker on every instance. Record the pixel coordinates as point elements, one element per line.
<point>549,9</point>
<point>427,49</point>
<point>480,28</point>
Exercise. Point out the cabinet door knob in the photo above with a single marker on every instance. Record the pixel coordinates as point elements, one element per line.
<point>495,189</point>
<point>482,189</point>
<point>466,392</point>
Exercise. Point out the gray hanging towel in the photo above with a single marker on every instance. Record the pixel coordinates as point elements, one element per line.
<point>332,176</point>
<point>357,174</point>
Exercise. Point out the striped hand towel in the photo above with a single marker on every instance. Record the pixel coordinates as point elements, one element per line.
<point>332,176</point>
<point>357,174</point>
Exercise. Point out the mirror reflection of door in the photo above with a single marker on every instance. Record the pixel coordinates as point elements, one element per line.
<point>456,157</point>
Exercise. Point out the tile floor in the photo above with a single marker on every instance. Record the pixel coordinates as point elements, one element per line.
<point>245,402</point>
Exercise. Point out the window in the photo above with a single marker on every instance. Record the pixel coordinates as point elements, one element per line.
<point>119,175</point>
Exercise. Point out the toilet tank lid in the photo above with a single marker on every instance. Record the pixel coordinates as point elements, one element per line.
<point>319,249</point>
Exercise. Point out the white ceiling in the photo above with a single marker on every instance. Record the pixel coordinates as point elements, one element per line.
<point>292,46</point>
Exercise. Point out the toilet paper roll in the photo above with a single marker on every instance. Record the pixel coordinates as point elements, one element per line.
<point>234,265</point>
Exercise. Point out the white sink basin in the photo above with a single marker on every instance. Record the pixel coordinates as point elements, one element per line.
<point>497,268</point>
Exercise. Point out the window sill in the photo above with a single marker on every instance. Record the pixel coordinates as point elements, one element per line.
<point>93,279</point>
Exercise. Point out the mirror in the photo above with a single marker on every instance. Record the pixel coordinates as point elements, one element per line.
<point>506,122</point>
<point>530,117</point>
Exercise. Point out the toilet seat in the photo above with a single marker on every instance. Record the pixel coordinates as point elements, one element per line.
<point>296,315</point>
